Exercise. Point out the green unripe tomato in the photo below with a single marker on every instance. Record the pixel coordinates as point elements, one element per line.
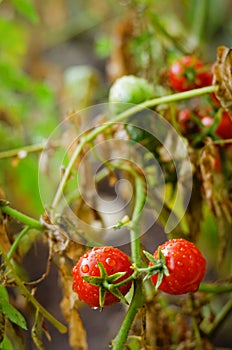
<point>130,89</point>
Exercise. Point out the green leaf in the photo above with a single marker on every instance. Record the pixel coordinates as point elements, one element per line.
<point>3,295</point>
<point>6,344</point>
<point>26,8</point>
<point>10,311</point>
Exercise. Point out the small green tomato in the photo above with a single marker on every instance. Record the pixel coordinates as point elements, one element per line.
<point>130,89</point>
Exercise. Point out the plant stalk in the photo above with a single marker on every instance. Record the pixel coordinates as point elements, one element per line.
<point>137,301</point>
<point>120,117</point>
<point>21,217</point>
<point>59,326</point>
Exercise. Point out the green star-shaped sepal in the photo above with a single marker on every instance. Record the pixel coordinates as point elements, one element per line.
<point>159,266</point>
<point>105,283</point>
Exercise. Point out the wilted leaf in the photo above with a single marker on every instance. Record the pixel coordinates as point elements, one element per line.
<point>207,166</point>
<point>223,77</point>
<point>69,303</point>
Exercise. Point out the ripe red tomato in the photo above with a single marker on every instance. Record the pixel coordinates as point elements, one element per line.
<point>224,128</point>
<point>113,260</point>
<point>186,267</point>
<point>188,72</point>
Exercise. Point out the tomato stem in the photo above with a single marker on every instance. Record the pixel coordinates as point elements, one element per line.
<point>17,241</point>
<point>137,301</point>
<point>25,219</point>
<point>120,117</point>
<point>16,152</point>
<point>59,326</point>
<point>215,288</point>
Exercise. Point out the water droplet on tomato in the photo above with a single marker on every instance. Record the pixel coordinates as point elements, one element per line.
<point>95,307</point>
<point>110,262</point>
<point>85,268</point>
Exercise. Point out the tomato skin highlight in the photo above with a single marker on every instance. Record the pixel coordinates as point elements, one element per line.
<point>186,266</point>
<point>113,260</point>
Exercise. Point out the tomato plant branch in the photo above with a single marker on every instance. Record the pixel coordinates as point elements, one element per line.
<point>120,117</point>
<point>224,312</point>
<point>59,326</point>
<point>215,288</point>
<point>27,220</point>
<point>137,301</point>
<point>16,152</point>
<point>17,241</point>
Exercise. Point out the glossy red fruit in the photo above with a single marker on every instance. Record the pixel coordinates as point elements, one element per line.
<point>113,260</point>
<point>224,129</point>
<point>185,264</point>
<point>188,72</point>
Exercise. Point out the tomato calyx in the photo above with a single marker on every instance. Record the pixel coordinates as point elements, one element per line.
<point>156,266</point>
<point>106,283</point>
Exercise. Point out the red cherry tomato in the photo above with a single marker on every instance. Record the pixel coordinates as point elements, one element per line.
<point>188,72</point>
<point>185,264</point>
<point>224,129</point>
<point>113,260</point>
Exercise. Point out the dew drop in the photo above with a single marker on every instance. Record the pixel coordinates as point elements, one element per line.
<point>85,268</point>
<point>94,307</point>
<point>110,262</point>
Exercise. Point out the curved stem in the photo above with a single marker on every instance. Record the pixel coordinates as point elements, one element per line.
<point>59,326</point>
<point>16,242</point>
<point>122,116</point>
<point>27,220</point>
<point>221,316</point>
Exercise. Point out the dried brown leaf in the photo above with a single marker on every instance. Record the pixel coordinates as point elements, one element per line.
<point>207,166</point>
<point>223,77</point>
<point>70,301</point>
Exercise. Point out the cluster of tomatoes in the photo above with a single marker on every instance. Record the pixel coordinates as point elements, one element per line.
<point>189,72</point>
<point>101,268</point>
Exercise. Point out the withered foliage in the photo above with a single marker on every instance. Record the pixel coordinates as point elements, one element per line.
<point>215,193</point>
<point>223,77</point>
